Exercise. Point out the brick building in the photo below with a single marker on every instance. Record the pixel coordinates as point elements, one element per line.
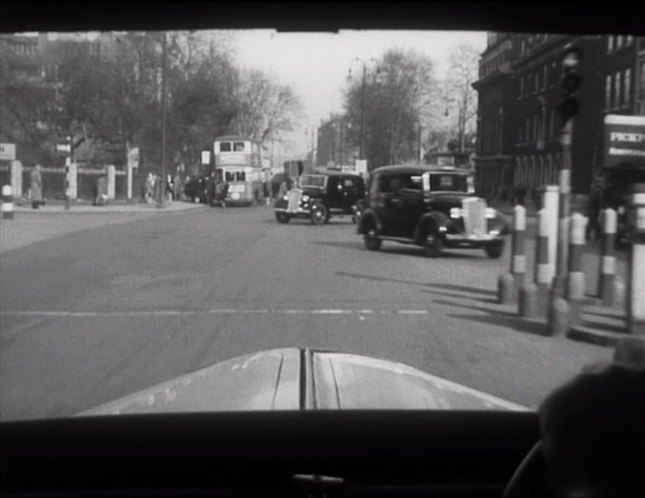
<point>519,92</point>
<point>333,145</point>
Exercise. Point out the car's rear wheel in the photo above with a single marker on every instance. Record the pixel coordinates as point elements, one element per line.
<point>282,218</point>
<point>494,251</point>
<point>372,240</point>
<point>319,214</point>
<point>432,244</point>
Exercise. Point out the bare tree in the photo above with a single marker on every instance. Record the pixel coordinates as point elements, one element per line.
<point>264,108</point>
<point>393,105</point>
<point>463,72</point>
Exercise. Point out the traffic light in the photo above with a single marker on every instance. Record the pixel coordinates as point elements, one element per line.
<point>571,82</point>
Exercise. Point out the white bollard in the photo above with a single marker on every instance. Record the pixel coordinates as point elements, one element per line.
<point>16,179</point>
<point>111,182</point>
<point>576,275</point>
<point>636,272</point>
<point>7,202</point>
<point>543,270</point>
<point>607,280</point>
<point>550,203</point>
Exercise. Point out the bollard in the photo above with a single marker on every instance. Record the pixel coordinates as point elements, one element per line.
<point>619,293</point>
<point>528,306</point>
<point>607,280</point>
<point>67,202</point>
<point>559,315</point>
<point>636,272</point>
<point>518,262</point>
<point>543,269</point>
<point>550,203</point>
<point>7,202</point>
<point>576,276</point>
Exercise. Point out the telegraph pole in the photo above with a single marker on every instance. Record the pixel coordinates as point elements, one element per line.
<point>162,190</point>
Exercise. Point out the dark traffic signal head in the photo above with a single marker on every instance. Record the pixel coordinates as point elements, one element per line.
<point>571,81</point>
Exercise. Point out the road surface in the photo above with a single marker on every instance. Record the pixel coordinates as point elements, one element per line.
<point>96,314</point>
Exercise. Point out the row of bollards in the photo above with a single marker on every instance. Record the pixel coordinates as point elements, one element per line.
<point>536,299</point>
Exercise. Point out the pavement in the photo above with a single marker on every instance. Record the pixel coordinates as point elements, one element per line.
<point>99,313</point>
<point>112,207</point>
<point>52,220</point>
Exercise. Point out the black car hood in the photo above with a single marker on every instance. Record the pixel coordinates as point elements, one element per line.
<point>302,379</point>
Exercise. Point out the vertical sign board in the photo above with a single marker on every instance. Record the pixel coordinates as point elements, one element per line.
<point>624,141</point>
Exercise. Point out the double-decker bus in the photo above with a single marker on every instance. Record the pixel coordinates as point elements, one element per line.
<point>238,162</point>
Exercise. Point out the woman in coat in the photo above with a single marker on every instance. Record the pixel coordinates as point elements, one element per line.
<point>36,185</point>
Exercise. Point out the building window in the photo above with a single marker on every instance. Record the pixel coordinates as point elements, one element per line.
<point>617,85</point>
<point>554,71</point>
<point>552,125</point>
<point>610,43</point>
<point>629,40</point>
<point>619,42</point>
<point>608,92</point>
<point>628,87</point>
<point>545,75</point>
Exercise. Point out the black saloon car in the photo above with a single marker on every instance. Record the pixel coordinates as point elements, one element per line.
<point>320,196</point>
<point>431,207</point>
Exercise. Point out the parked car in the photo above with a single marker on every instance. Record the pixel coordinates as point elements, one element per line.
<point>322,195</point>
<point>432,207</point>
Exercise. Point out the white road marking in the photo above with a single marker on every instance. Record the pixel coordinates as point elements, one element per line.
<point>215,311</point>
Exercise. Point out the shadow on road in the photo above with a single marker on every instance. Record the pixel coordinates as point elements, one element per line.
<point>462,296</point>
<point>463,288</point>
<point>515,323</point>
<point>498,317</point>
<point>345,245</point>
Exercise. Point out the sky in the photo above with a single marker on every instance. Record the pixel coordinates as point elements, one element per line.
<point>317,65</point>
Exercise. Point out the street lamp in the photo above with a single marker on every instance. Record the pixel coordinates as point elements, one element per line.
<point>349,76</point>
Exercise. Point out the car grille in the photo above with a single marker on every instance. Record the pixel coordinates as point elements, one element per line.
<point>474,216</point>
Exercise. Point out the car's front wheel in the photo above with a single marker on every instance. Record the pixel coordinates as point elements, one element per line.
<point>372,240</point>
<point>494,251</point>
<point>432,244</point>
<point>282,218</point>
<point>319,214</point>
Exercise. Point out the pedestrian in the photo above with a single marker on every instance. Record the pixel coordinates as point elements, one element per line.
<point>177,186</point>
<point>293,196</point>
<point>266,192</point>
<point>36,185</point>
<point>594,208</point>
<point>521,194</point>
<point>150,184</point>
<point>101,187</point>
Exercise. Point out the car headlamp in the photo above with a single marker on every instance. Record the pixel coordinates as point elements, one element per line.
<point>491,213</point>
<point>455,212</point>
<point>305,198</point>
<point>285,198</point>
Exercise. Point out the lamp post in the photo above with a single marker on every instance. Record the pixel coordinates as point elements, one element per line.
<point>364,65</point>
